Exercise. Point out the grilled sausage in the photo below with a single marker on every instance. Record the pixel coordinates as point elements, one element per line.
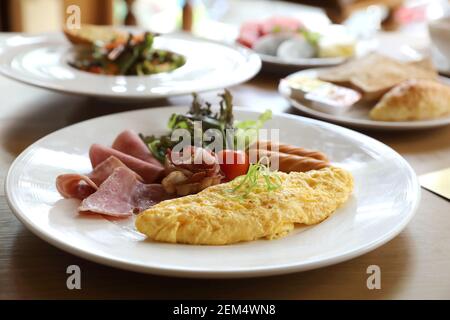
<point>289,149</point>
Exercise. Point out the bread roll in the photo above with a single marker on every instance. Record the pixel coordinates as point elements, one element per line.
<point>413,100</point>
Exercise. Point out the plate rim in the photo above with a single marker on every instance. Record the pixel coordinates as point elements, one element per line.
<point>57,37</point>
<point>221,274</point>
<point>358,123</point>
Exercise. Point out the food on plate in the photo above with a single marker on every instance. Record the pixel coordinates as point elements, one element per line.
<point>393,90</point>
<point>122,194</point>
<point>201,112</point>
<point>149,171</point>
<point>186,191</point>
<point>413,100</point>
<point>130,55</point>
<point>233,163</point>
<point>79,186</point>
<point>88,34</point>
<point>168,175</point>
<point>375,74</point>
<point>324,96</point>
<point>190,171</point>
<point>129,152</point>
<point>288,162</point>
<point>217,216</point>
<point>251,31</point>
<point>289,39</point>
<point>288,149</point>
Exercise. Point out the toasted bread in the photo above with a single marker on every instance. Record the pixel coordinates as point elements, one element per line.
<point>413,100</point>
<point>376,74</point>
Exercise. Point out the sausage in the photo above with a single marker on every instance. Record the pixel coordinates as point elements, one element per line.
<point>290,162</point>
<point>289,149</point>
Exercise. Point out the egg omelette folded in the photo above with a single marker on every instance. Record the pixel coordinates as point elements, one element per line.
<point>215,216</point>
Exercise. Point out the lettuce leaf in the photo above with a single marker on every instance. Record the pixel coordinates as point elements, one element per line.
<point>247,130</point>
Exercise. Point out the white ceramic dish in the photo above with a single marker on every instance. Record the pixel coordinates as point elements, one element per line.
<point>358,115</point>
<point>42,61</point>
<point>276,64</point>
<point>369,219</point>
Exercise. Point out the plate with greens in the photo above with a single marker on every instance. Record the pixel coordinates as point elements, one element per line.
<point>125,65</point>
<point>113,236</point>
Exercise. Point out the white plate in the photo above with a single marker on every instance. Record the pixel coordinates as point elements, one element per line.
<point>279,65</point>
<point>370,218</point>
<point>42,61</point>
<point>358,116</point>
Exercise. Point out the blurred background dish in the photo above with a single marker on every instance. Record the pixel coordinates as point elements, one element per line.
<point>358,115</point>
<point>382,25</point>
<point>44,61</point>
<point>287,44</point>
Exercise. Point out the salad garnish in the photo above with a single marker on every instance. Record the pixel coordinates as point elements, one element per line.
<point>223,120</point>
<point>248,182</point>
<point>134,56</point>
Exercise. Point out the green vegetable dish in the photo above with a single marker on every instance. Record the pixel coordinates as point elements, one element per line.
<point>134,56</point>
<point>233,133</point>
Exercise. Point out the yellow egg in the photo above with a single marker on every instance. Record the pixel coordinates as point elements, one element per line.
<point>218,216</point>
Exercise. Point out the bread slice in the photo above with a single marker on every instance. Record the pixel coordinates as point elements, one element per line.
<point>89,33</point>
<point>413,100</point>
<point>376,74</point>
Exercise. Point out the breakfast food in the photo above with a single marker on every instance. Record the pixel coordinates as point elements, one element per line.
<point>289,162</point>
<point>288,39</point>
<point>375,74</point>
<point>213,217</point>
<point>289,149</point>
<point>119,54</point>
<point>323,96</point>
<point>122,194</point>
<point>390,90</point>
<point>192,173</point>
<point>190,193</point>
<point>413,100</point>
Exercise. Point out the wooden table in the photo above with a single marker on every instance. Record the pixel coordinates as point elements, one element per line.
<point>415,264</point>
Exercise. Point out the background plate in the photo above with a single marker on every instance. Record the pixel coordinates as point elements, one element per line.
<point>370,218</point>
<point>358,115</point>
<point>42,61</point>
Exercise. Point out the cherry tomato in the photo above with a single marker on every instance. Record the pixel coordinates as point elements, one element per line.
<point>233,163</point>
<point>95,69</point>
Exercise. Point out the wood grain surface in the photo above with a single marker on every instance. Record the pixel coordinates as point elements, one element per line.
<point>413,265</point>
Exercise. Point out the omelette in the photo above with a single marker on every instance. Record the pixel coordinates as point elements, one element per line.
<point>218,215</point>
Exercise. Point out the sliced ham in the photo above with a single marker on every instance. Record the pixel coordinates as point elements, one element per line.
<point>122,195</point>
<point>106,168</point>
<point>80,186</point>
<point>150,172</point>
<point>73,185</point>
<point>130,143</point>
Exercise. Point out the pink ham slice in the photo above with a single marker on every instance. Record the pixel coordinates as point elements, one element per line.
<point>73,185</point>
<point>80,186</point>
<point>130,143</point>
<point>122,195</point>
<point>150,172</point>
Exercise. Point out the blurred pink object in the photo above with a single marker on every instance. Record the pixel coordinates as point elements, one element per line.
<point>251,31</point>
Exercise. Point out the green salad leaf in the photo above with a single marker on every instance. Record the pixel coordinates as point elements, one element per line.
<point>222,120</point>
<point>257,174</point>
